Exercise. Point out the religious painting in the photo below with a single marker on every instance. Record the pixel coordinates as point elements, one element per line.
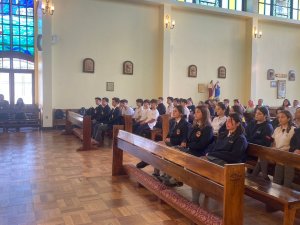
<point>88,65</point>
<point>110,86</point>
<point>271,74</point>
<point>201,88</point>
<point>192,71</point>
<point>292,75</point>
<point>222,72</point>
<point>128,68</point>
<point>281,89</point>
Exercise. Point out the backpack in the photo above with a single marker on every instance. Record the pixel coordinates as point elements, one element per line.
<point>59,114</point>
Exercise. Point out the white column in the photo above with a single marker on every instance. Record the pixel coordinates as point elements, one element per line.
<point>254,63</point>
<point>166,58</point>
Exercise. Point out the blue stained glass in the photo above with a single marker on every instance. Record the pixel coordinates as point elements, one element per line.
<point>23,30</point>
<point>15,10</point>
<point>30,41</point>
<point>6,48</point>
<point>5,1</point>
<point>16,30</point>
<point>30,21</point>
<point>22,2</point>
<point>6,19</point>
<point>6,39</point>
<point>23,40</point>
<point>30,3</point>
<point>23,20</point>
<point>30,31</point>
<point>16,20</point>
<point>31,51</point>
<point>1,40</point>
<point>30,12</point>
<point>6,29</point>
<point>1,48</point>
<point>6,8</point>
<point>16,40</point>
<point>22,11</point>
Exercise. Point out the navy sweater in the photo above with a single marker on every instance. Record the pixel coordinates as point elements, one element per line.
<point>260,134</point>
<point>295,141</point>
<point>198,139</point>
<point>231,149</point>
<point>178,132</point>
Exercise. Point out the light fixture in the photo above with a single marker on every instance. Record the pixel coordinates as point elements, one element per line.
<point>257,33</point>
<point>169,23</point>
<point>47,7</point>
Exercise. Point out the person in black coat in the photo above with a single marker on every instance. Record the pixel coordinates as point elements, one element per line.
<point>178,128</point>
<point>260,130</point>
<point>102,112</point>
<point>161,108</point>
<point>231,146</point>
<point>201,133</point>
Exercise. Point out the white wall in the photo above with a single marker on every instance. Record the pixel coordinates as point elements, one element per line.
<point>278,49</point>
<point>208,41</point>
<point>110,33</point>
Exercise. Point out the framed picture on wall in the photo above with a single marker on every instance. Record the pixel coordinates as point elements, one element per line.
<point>110,86</point>
<point>128,68</point>
<point>271,74</point>
<point>222,72</point>
<point>292,75</point>
<point>281,89</point>
<point>273,84</point>
<point>88,65</point>
<point>192,71</point>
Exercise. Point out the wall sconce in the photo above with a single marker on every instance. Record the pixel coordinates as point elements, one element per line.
<point>169,23</point>
<point>47,7</point>
<point>257,33</point>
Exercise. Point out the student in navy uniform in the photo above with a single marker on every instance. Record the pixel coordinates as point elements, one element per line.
<point>178,128</point>
<point>231,146</point>
<point>226,103</point>
<point>4,105</point>
<point>260,130</point>
<point>114,118</point>
<point>102,113</point>
<point>201,133</point>
<point>160,106</point>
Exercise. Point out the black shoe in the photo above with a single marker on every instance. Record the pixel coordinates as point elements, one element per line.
<point>179,184</point>
<point>141,165</point>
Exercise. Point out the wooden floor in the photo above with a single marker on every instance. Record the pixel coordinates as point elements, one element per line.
<point>43,180</point>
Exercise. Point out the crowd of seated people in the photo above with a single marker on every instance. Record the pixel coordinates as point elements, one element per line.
<point>17,110</point>
<point>213,129</point>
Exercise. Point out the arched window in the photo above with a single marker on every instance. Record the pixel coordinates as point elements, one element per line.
<point>17,50</point>
<point>281,8</point>
<point>226,4</point>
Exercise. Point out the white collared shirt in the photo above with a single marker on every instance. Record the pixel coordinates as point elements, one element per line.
<point>282,138</point>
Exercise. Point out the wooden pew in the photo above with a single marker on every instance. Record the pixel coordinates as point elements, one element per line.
<point>222,183</point>
<point>83,128</point>
<point>32,118</point>
<point>163,132</point>
<point>128,122</point>
<point>273,195</point>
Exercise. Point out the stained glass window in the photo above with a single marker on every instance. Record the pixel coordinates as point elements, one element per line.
<point>17,26</point>
<point>280,8</point>
<point>227,4</point>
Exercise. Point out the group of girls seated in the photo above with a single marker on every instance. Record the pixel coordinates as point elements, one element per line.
<point>225,139</point>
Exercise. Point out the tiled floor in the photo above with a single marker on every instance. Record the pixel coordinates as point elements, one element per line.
<point>43,180</point>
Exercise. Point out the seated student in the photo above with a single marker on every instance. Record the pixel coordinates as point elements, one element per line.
<point>126,110</point>
<point>177,136</point>
<point>295,148</point>
<point>150,121</point>
<point>220,119</point>
<point>227,106</point>
<point>250,107</point>
<point>183,102</point>
<point>161,108</point>
<point>144,114</point>
<point>4,105</point>
<point>200,133</point>
<point>275,122</point>
<point>92,111</point>
<point>297,118</point>
<point>237,103</point>
<point>282,137</point>
<point>138,110</point>
<point>147,125</point>
<point>228,148</point>
<point>260,130</point>
<point>176,101</point>
<point>19,109</point>
<point>178,128</point>
<point>113,119</point>
<point>101,113</point>
<point>192,108</point>
<point>170,106</point>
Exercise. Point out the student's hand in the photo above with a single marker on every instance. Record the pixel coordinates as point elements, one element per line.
<point>167,140</point>
<point>297,151</point>
<point>183,144</point>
